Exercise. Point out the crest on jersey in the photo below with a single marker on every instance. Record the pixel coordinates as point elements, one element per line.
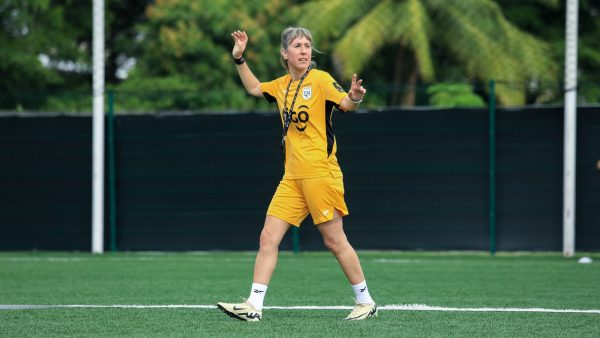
<point>307,92</point>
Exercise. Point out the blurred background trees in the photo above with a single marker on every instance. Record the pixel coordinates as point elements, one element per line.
<point>42,47</point>
<point>472,36</point>
<point>175,54</point>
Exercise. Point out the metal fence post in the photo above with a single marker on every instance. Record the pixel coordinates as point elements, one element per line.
<point>112,188</point>
<point>492,165</point>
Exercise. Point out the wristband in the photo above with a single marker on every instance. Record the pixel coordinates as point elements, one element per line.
<point>239,61</point>
<point>355,102</point>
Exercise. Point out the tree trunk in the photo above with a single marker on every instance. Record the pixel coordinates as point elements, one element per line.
<point>411,90</point>
<point>396,93</point>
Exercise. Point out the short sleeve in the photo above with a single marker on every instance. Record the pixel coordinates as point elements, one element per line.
<point>332,90</point>
<point>269,89</point>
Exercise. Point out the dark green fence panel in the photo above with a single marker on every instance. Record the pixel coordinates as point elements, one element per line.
<point>529,178</point>
<point>45,183</point>
<point>205,181</point>
<point>195,182</point>
<point>415,179</point>
<point>587,217</point>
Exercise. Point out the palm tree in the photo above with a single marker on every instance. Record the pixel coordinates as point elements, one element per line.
<point>472,33</point>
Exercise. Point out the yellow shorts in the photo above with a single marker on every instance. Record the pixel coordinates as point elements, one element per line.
<point>320,196</point>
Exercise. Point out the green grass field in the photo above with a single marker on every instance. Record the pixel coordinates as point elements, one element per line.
<point>452,280</point>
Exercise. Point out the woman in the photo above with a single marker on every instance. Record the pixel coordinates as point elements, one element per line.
<point>312,182</point>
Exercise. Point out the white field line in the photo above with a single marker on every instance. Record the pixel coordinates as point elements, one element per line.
<point>120,259</point>
<point>400,307</point>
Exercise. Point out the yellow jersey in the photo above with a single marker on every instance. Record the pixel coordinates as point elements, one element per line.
<point>310,145</point>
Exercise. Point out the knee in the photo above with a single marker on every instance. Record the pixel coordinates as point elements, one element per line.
<point>335,245</point>
<point>268,242</point>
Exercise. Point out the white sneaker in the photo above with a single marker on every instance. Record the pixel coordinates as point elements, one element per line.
<point>363,311</point>
<point>242,311</point>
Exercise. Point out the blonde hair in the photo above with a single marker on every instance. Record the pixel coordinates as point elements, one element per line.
<point>288,35</point>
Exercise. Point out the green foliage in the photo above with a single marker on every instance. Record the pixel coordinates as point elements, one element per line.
<point>546,19</point>
<point>59,33</point>
<point>182,49</point>
<point>175,92</point>
<point>589,55</point>
<point>474,34</point>
<point>80,102</point>
<point>28,30</point>
<point>454,95</point>
<point>187,47</point>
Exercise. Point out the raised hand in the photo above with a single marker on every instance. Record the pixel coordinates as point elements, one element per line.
<point>241,39</point>
<point>357,91</point>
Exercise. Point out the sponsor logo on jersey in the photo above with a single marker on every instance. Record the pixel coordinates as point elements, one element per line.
<point>300,118</point>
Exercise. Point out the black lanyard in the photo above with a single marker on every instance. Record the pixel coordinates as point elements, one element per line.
<point>287,114</point>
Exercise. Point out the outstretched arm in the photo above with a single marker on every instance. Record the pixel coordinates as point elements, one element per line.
<point>250,81</point>
<point>355,95</point>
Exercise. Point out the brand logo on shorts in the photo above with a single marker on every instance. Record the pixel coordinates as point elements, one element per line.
<point>307,92</point>
<point>325,212</point>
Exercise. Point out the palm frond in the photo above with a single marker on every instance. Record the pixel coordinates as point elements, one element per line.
<point>328,19</point>
<point>475,34</point>
<point>364,39</point>
<point>387,23</point>
<point>533,54</point>
<point>492,48</point>
<point>417,36</point>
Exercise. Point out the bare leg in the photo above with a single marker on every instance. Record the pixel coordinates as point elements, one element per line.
<point>336,241</point>
<point>266,259</point>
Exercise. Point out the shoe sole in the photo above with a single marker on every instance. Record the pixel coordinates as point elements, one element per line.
<point>233,315</point>
<point>369,315</point>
